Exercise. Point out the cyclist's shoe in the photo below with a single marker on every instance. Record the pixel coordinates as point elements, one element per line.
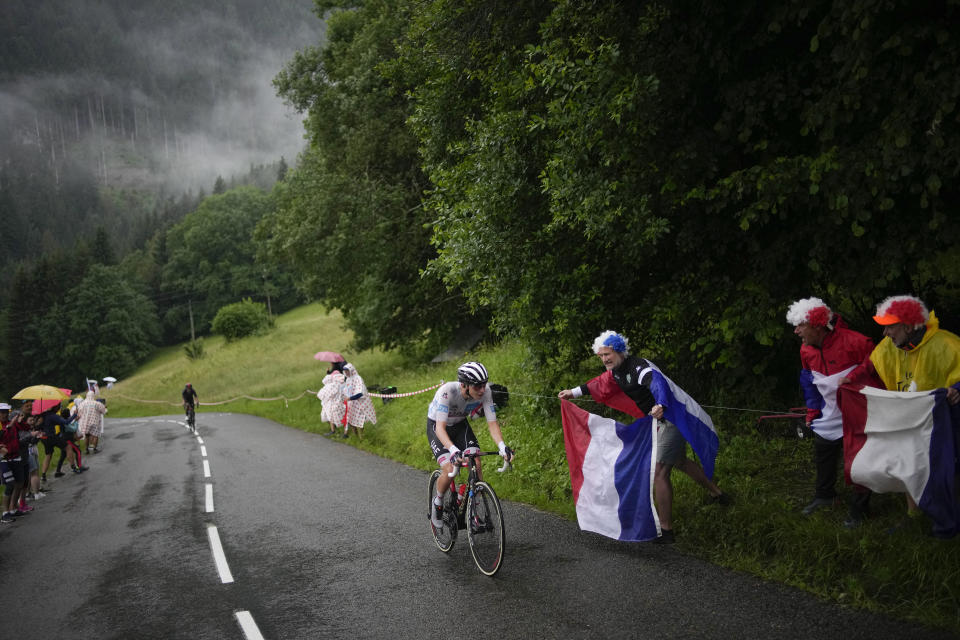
<point>59,474</point>
<point>436,516</point>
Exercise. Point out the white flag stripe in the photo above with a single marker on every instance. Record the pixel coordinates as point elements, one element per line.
<point>895,456</point>
<point>598,503</point>
<point>830,423</point>
<point>690,405</point>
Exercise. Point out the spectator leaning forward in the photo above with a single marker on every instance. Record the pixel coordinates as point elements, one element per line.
<point>914,355</point>
<point>828,351</point>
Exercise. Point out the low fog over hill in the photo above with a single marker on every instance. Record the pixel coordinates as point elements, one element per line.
<point>142,94</point>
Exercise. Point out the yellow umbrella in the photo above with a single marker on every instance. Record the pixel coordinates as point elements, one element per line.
<point>40,392</point>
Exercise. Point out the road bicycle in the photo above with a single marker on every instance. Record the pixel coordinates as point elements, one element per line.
<point>191,417</point>
<point>472,506</point>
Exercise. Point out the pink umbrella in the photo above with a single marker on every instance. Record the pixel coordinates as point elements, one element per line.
<point>41,405</point>
<point>328,356</point>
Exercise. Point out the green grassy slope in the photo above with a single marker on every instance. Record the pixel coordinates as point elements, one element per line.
<point>905,573</point>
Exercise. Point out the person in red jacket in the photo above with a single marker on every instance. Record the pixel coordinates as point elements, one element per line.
<point>828,351</point>
<point>15,437</point>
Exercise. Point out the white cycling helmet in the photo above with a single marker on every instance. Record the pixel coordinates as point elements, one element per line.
<point>472,373</point>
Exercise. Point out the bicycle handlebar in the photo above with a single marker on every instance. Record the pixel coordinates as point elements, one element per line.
<point>507,465</point>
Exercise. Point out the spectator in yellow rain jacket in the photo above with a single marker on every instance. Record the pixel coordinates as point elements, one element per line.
<point>915,354</point>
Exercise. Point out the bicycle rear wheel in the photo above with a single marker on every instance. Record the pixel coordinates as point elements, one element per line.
<point>446,535</point>
<point>485,531</point>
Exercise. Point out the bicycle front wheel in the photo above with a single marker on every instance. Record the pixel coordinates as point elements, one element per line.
<point>445,535</point>
<point>485,531</point>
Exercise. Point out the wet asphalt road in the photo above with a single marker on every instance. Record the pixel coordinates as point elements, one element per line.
<point>325,541</point>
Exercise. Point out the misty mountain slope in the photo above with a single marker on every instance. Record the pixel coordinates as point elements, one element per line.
<point>170,93</point>
<point>114,113</point>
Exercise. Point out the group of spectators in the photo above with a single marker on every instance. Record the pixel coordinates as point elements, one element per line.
<point>72,430</point>
<point>344,400</point>
<point>914,355</point>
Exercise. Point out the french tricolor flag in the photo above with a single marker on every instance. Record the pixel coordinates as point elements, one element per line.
<point>611,472</point>
<point>820,393</point>
<point>694,423</point>
<point>904,442</point>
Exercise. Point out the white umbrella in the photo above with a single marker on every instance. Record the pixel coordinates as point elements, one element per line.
<point>109,379</point>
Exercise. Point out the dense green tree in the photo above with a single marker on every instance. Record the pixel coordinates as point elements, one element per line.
<point>102,250</point>
<point>103,325</point>
<point>348,219</point>
<point>211,260</point>
<point>111,325</point>
<point>241,319</point>
<point>684,170</point>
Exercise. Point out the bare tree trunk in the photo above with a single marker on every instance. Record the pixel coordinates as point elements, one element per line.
<point>63,142</point>
<point>93,122</point>
<point>53,163</point>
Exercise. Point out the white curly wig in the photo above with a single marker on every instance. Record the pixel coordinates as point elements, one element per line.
<point>614,340</point>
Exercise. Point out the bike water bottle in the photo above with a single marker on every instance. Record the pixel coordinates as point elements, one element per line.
<point>462,489</point>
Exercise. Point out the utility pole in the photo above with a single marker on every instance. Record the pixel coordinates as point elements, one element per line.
<point>193,337</point>
<point>266,288</point>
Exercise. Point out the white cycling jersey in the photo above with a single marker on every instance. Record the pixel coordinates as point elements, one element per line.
<point>450,407</point>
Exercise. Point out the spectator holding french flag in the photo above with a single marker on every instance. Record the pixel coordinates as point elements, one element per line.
<point>828,351</point>
<point>897,448</point>
<point>637,387</point>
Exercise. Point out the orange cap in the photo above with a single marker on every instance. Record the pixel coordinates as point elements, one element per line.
<point>887,319</point>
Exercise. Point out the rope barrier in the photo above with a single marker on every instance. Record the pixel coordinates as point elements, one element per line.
<point>705,406</point>
<point>403,395</point>
<point>285,399</point>
<point>408,394</point>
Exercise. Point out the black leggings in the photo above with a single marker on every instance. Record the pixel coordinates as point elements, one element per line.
<point>50,444</point>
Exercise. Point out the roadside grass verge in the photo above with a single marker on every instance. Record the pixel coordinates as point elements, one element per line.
<point>903,573</point>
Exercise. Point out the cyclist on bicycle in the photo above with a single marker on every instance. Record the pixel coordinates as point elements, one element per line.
<point>189,399</point>
<point>448,429</point>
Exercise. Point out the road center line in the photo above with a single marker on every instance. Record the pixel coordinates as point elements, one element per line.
<point>209,496</point>
<point>203,451</point>
<point>199,440</point>
<point>218,556</point>
<point>248,626</point>
<point>206,468</point>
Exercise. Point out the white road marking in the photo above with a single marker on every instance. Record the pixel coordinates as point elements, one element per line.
<point>209,493</point>
<point>199,439</point>
<point>248,626</point>
<point>218,556</point>
<point>203,451</point>
<point>206,468</point>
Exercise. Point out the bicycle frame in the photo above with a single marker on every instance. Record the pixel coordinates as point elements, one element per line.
<point>477,510</point>
<point>470,462</point>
